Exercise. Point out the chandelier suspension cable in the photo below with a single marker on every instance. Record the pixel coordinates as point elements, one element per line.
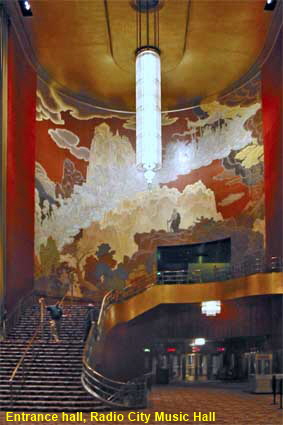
<point>147,24</point>
<point>155,26</point>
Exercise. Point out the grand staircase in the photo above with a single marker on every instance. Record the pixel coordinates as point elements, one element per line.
<point>52,372</point>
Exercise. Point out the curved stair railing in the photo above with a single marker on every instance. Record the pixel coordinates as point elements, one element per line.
<point>121,395</point>
<point>114,393</point>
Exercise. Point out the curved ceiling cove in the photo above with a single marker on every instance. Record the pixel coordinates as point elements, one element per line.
<point>88,47</point>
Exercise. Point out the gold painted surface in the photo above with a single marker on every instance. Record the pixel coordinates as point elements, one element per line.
<point>124,34</point>
<point>71,40</point>
<point>258,284</point>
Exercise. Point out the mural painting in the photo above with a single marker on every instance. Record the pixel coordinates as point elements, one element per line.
<point>97,224</point>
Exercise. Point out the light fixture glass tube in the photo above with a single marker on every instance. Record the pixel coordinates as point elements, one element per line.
<point>148,112</point>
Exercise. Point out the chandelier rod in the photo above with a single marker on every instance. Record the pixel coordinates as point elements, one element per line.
<point>147,23</point>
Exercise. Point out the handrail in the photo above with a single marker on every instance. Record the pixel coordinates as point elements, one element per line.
<point>100,312</point>
<point>87,365</point>
<point>30,343</point>
<point>64,296</point>
<point>106,389</point>
<point>117,296</point>
<point>127,394</point>
<point>109,397</point>
<point>208,272</point>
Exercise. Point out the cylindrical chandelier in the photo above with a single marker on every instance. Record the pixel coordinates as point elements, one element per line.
<point>148,112</point>
<point>148,92</point>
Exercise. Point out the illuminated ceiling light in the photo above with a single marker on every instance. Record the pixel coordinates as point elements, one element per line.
<point>211,308</point>
<point>148,92</point>
<point>199,341</point>
<point>25,7</point>
<point>270,4</point>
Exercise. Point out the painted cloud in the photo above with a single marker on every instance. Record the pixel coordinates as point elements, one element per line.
<point>233,197</point>
<point>183,156</point>
<point>66,139</point>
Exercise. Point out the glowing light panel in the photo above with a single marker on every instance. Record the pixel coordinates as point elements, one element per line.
<point>148,113</point>
<point>211,308</point>
<point>199,341</point>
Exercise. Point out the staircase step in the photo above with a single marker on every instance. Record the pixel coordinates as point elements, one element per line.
<point>53,377</point>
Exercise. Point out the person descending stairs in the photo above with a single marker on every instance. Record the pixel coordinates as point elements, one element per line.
<point>51,371</point>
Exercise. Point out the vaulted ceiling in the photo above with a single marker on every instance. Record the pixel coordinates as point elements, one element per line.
<point>87,47</point>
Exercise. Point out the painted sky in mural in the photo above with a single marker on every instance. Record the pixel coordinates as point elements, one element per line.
<point>96,222</point>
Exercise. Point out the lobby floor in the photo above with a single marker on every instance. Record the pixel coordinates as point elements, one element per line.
<point>231,405</point>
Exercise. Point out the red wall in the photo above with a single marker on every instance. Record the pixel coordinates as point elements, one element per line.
<point>20,173</point>
<point>273,155</point>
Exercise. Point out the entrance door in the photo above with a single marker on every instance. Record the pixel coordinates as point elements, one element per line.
<point>196,367</point>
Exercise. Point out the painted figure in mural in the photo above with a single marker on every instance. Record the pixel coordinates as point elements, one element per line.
<point>56,313</point>
<point>174,221</point>
<point>91,319</point>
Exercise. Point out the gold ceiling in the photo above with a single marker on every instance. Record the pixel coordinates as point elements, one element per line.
<point>87,46</point>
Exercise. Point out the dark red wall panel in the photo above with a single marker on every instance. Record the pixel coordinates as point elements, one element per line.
<point>20,173</point>
<point>273,156</point>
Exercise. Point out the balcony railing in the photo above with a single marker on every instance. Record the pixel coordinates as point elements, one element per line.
<point>208,272</point>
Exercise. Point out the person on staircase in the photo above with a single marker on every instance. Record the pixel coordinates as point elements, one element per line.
<point>91,318</point>
<point>56,314</point>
